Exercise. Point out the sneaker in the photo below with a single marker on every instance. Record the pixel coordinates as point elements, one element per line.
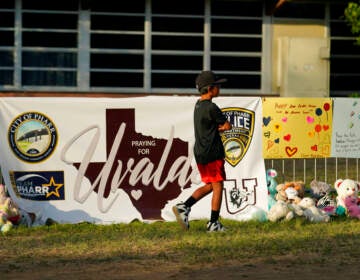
<point>215,226</point>
<point>181,212</point>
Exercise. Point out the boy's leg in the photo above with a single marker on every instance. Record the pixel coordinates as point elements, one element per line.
<point>217,188</point>
<point>214,224</point>
<point>199,193</point>
<point>182,210</point>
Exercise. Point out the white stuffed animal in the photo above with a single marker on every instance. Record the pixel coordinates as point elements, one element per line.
<point>311,212</point>
<point>282,210</point>
<point>345,188</point>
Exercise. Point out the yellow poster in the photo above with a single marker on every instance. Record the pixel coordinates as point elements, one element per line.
<point>297,127</point>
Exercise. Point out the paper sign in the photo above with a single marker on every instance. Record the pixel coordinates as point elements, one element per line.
<point>297,127</point>
<point>346,128</point>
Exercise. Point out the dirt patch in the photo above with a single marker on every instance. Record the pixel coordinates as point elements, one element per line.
<point>135,270</point>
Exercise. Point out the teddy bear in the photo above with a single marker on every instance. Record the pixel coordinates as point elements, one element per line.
<point>311,212</point>
<point>345,188</point>
<point>271,182</point>
<point>292,195</point>
<point>282,210</point>
<point>9,212</point>
<point>353,209</point>
<point>290,191</point>
<point>280,192</point>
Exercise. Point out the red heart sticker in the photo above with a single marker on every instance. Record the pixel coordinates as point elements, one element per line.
<point>287,137</point>
<point>314,148</point>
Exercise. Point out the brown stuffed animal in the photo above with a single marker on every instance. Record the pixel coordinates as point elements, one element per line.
<point>280,192</point>
<point>290,191</point>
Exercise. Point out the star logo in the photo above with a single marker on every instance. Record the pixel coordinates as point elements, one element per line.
<point>53,188</point>
<point>38,185</point>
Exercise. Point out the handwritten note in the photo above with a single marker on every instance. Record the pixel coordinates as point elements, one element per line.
<point>346,128</point>
<point>297,127</point>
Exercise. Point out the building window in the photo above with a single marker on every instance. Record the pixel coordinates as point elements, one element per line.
<point>237,42</point>
<point>117,45</point>
<point>345,57</point>
<point>7,62</point>
<point>301,10</point>
<point>152,46</point>
<point>177,44</point>
<point>145,46</point>
<point>49,43</point>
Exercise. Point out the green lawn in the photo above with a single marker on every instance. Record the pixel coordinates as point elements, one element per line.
<point>335,242</point>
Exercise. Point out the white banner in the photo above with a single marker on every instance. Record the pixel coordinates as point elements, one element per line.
<point>107,160</point>
<point>346,128</point>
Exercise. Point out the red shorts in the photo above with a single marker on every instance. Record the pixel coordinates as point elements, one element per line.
<point>212,172</point>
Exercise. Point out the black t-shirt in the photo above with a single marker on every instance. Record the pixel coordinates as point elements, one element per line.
<point>208,145</point>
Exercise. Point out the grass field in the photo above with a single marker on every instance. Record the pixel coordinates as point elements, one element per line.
<point>164,246</point>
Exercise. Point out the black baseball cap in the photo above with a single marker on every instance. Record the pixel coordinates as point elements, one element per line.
<point>208,78</point>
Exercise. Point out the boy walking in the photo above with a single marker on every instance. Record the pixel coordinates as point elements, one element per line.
<point>208,151</point>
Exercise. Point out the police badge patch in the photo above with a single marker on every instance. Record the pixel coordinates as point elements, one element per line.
<point>237,140</point>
